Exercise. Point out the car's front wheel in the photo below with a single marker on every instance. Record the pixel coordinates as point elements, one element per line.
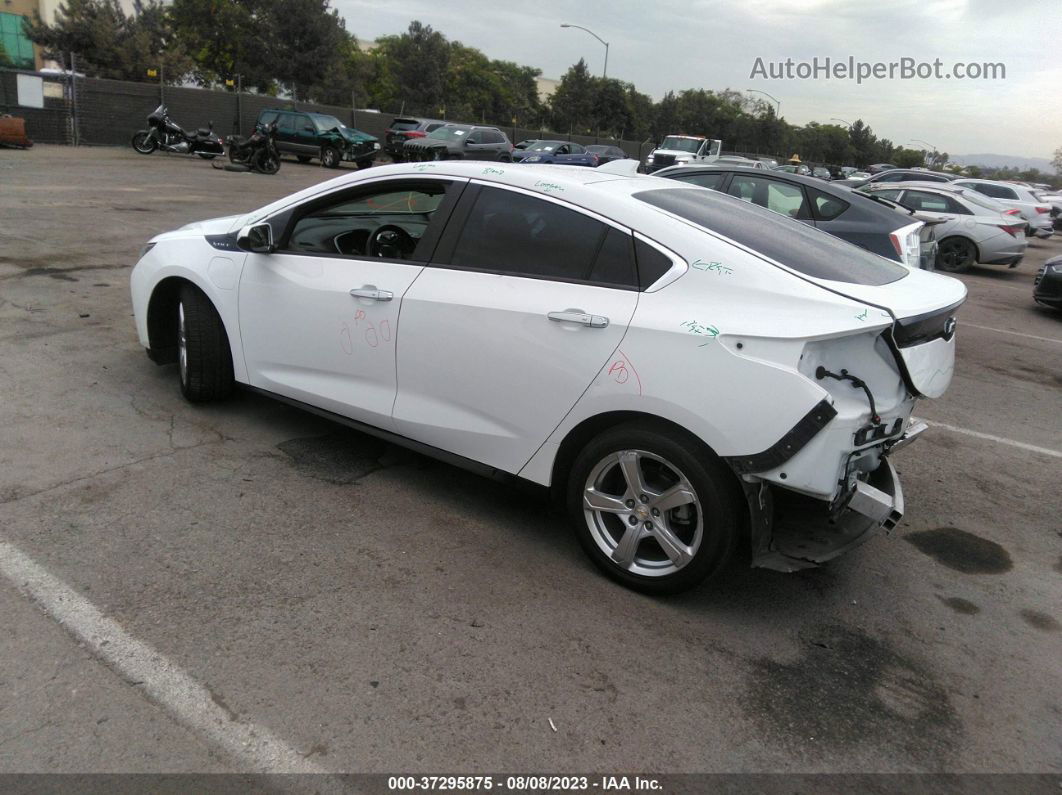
<point>654,510</point>
<point>204,359</point>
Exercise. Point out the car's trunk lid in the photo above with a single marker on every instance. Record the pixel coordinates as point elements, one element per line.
<point>922,336</point>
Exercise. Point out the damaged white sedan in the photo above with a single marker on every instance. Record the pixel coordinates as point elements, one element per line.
<point>668,360</point>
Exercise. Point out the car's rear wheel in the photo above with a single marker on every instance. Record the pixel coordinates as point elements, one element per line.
<point>653,509</point>
<point>330,157</point>
<point>204,359</point>
<point>956,254</point>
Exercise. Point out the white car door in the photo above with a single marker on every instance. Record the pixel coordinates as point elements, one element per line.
<point>319,316</point>
<point>525,302</point>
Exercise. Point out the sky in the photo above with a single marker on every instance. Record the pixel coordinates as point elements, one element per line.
<point>661,45</point>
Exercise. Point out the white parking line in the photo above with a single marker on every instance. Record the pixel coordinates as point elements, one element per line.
<point>161,680</point>
<point>1015,333</point>
<point>998,439</point>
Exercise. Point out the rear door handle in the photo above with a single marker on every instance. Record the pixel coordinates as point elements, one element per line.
<point>580,317</point>
<point>370,292</point>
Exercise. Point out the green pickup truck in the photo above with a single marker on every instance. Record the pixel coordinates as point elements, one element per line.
<point>308,135</point>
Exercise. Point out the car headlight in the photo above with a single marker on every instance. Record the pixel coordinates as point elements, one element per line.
<point>681,160</point>
<point>147,247</point>
<point>376,145</point>
<point>649,159</point>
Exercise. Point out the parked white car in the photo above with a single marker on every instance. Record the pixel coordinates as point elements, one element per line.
<point>665,358</point>
<point>678,150</point>
<point>975,229</point>
<point>1037,213</point>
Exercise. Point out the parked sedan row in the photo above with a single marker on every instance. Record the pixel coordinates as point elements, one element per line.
<point>879,226</point>
<point>974,229</point>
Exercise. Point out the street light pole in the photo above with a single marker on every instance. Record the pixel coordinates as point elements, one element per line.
<point>604,72</point>
<point>847,124</point>
<point>757,91</point>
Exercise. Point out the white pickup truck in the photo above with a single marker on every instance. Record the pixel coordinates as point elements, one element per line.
<point>679,150</point>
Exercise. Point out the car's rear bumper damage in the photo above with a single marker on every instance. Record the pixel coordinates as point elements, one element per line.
<point>790,531</point>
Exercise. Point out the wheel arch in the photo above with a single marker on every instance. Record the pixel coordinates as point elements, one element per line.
<point>162,320</point>
<point>581,434</point>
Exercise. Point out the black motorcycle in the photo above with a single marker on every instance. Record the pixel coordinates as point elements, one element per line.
<point>165,134</point>
<point>259,152</point>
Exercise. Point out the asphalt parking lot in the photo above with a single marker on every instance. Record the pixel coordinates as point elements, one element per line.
<point>319,600</point>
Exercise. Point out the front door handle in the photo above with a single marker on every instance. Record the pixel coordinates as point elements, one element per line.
<point>580,317</point>
<point>369,291</point>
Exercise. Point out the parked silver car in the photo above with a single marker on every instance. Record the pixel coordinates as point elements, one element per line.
<point>1035,211</point>
<point>975,228</point>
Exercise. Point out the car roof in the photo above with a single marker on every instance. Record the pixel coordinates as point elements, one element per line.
<point>739,169</point>
<point>945,187</point>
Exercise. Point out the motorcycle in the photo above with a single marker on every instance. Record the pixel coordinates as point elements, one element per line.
<point>165,134</point>
<point>259,152</point>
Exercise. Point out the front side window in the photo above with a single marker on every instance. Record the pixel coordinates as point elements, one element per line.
<point>325,123</point>
<point>388,221</point>
<point>778,196</point>
<point>449,133</point>
<point>509,232</point>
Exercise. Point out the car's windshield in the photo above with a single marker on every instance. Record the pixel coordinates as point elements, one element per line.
<point>325,123</point>
<point>449,133</point>
<point>544,146</point>
<point>785,240</point>
<point>681,144</point>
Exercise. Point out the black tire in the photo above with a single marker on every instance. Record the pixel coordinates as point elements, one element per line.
<point>331,157</point>
<point>265,162</point>
<point>207,155</point>
<point>956,254</point>
<point>709,526</point>
<point>143,142</point>
<point>204,358</point>
<point>505,158</point>
<point>365,163</point>
<point>304,158</point>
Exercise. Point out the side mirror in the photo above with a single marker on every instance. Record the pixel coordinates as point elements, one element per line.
<point>468,142</point>
<point>257,239</point>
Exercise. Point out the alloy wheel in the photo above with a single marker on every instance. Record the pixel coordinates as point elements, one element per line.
<point>643,513</point>
<point>182,344</point>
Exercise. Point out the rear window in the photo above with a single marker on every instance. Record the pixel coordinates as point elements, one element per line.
<point>404,124</point>
<point>798,246</point>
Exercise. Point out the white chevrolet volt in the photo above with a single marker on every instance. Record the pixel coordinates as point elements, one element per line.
<point>685,371</point>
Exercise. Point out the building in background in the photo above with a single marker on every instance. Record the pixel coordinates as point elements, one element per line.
<point>23,53</point>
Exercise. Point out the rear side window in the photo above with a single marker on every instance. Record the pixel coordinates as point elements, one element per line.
<point>708,179</point>
<point>781,197</point>
<point>827,207</point>
<point>996,191</point>
<point>286,123</point>
<point>927,202</point>
<point>798,246</point>
<point>614,264</point>
<point>651,263</point>
<point>508,232</point>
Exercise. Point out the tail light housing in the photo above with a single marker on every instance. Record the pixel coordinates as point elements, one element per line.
<point>415,134</point>
<point>1012,229</point>
<point>1043,209</point>
<point>1012,211</point>
<point>907,243</point>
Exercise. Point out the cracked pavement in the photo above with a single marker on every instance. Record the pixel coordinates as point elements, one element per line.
<point>381,612</point>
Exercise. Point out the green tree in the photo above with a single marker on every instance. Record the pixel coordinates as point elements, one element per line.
<point>412,70</point>
<point>226,38</point>
<point>5,59</point>
<point>110,44</point>
<point>572,104</point>
<point>909,158</point>
<point>306,39</point>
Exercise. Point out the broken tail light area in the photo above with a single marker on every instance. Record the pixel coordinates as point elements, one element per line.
<point>907,242</point>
